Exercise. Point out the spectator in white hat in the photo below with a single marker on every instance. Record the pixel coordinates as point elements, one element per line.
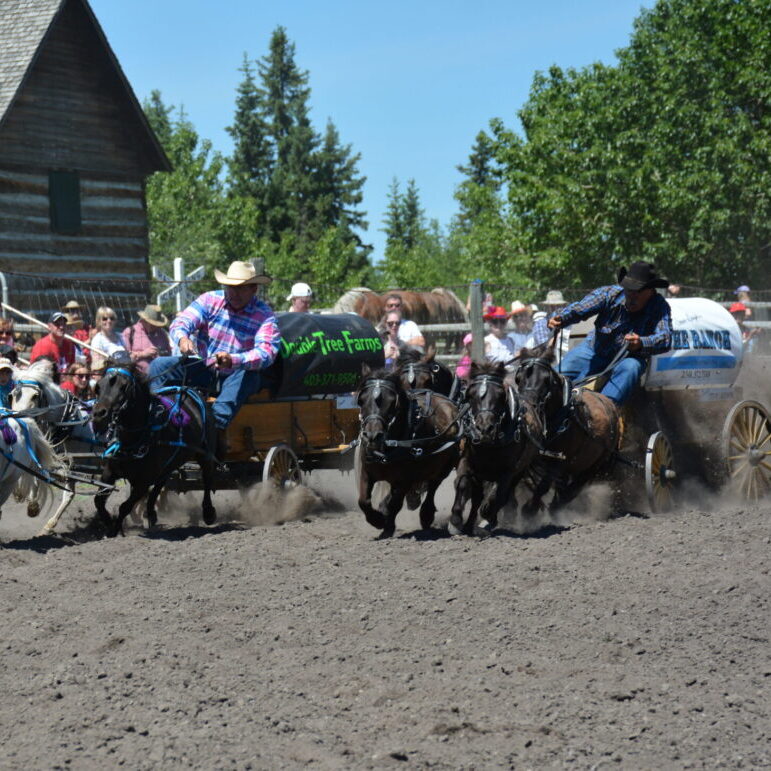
<point>300,298</point>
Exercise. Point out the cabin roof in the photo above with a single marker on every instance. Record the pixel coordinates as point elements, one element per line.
<point>24,27</point>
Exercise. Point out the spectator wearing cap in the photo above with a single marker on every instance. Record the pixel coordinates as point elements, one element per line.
<point>739,311</point>
<point>147,338</point>
<point>7,383</point>
<point>520,315</point>
<point>743,296</point>
<point>55,345</point>
<point>300,298</point>
<point>499,346</point>
<point>409,332</point>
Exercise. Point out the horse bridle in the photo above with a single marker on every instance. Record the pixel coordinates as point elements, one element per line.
<point>377,384</point>
<point>484,381</point>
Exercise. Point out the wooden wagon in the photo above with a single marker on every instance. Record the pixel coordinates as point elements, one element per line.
<point>689,420</point>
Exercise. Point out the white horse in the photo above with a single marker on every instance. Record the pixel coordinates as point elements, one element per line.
<point>23,446</point>
<point>35,391</point>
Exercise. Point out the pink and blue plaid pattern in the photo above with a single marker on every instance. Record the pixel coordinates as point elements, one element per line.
<point>251,335</point>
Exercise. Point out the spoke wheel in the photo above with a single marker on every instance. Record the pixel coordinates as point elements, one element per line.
<point>746,446</point>
<point>660,476</point>
<point>282,468</point>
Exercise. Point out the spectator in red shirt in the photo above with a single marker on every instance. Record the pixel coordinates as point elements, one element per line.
<point>54,344</point>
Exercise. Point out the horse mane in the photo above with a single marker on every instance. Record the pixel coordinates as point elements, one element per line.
<point>380,374</point>
<point>132,367</point>
<point>495,368</point>
<point>544,352</point>
<point>41,371</point>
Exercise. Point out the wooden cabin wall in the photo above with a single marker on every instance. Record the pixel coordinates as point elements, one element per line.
<point>72,112</point>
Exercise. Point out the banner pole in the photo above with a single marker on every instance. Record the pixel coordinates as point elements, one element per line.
<point>42,324</point>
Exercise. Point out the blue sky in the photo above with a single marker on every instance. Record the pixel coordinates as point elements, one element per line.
<point>408,84</point>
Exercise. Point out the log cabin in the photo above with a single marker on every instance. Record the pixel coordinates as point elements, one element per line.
<point>75,150</point>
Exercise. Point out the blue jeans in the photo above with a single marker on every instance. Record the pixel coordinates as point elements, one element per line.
<point>235,387</point>
<point>583,361</point>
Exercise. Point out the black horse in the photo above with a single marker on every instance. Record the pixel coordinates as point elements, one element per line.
<point>408,440</point>
<point>150,436</point>
<point>580,435</point>
<point>497,451</point>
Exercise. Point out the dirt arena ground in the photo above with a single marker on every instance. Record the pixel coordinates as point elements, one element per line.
<point>632,642</point>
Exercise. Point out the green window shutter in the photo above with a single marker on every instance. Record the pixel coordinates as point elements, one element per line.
<point>64,199</point>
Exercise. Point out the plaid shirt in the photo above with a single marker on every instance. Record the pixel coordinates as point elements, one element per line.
<point>653,323</point>
<point>250,335</point>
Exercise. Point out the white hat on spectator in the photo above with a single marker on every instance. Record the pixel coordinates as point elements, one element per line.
<point>519,307</point>
<point>300,290</point>
<point>553,297</point>
<point>5,364</point>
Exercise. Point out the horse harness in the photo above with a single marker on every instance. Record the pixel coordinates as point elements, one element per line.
<point>515,413</point>
<point>162,412</point>
<point>416,416</point>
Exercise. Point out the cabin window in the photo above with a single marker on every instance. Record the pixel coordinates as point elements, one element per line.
<point>64,200</point>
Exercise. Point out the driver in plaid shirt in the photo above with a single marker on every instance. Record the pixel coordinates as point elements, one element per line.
<point>629,312</point>
<point>237,337</point>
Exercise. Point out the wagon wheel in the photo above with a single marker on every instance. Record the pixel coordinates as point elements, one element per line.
<point>746,446</point>
<point>660,475</point>
<point>281,467</point>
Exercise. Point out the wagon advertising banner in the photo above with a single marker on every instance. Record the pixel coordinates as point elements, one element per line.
<point>706,348</point>
<point>323,354</point>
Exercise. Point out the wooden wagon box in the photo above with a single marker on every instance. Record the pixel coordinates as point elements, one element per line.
<point>309,426</point>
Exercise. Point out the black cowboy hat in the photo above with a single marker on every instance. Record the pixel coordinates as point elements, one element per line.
<point>641,275</point>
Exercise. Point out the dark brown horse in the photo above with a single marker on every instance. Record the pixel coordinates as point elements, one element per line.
<point>421,370</point>
<point>496,451</point>
<point>149,437</point>
<point>580,435</point>
<point>406,440</point>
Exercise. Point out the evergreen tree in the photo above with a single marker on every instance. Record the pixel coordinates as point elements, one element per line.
<point>252,162</point>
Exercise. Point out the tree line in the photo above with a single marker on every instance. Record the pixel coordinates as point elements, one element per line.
<point>665,156</point>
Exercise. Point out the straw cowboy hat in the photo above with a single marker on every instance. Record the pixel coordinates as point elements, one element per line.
<point>554,297</point>
<point>519,307</point>
<point>641,275</point>
<point>241,273</point>
<point>152,315</point>
<point>72,305</point>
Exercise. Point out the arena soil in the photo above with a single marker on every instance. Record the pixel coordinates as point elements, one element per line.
<point>639,642</point>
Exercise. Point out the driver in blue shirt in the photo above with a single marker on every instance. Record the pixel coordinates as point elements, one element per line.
<point>630,312</point>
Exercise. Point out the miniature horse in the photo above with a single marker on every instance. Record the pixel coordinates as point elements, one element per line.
<point>419,371</point>
<point>406,440</point>
<point>580,435</point>
<point>150,436</point>
<point>497,451</point>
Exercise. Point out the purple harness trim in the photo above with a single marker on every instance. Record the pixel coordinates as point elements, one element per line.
<point>9,435</point>
<point>177,416</point>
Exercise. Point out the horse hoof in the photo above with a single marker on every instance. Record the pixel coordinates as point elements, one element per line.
<point>453,529</point>
<point>33,509</point>
<point>210,516</point>
<point>483,530</point>
<point>385,535</point>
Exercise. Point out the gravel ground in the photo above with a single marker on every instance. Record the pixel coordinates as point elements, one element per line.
<point>633,642</point>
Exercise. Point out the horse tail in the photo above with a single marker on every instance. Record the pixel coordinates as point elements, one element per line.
<point>29,487</point>
<point>453,310</point>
